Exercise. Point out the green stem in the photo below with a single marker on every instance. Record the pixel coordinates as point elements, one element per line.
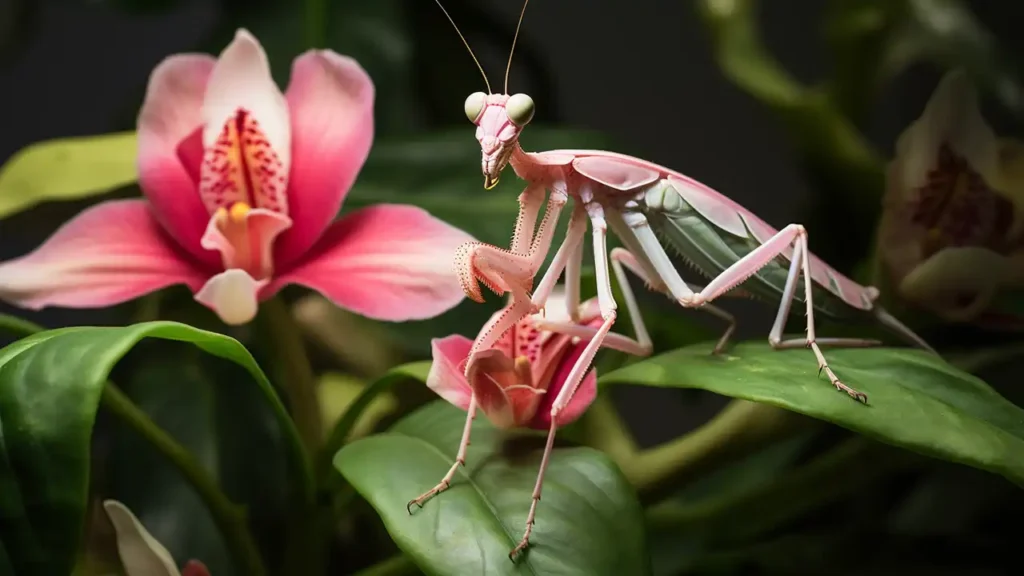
<point>229,517</point>
<point>394,566</point>
<point>605,430</point>
<point>316,23</point>
<point>740,429</point>
<point>292,370</point>
<point>19,327</point>
<point>304,553</point>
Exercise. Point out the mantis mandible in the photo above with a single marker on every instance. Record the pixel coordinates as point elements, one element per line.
<point>735,250</point>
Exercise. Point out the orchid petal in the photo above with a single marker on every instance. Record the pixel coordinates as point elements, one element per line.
<point>141,554</point>
<point>233,295</point>
<point>330,98</point>
<point>169,115</point>
<point>951,116</point>
<point>110,253</point>
<point>489,373</point>
<point>244,238</point>
<point>446,377</point>
<point>387,262</point>
<point>241,80</point>
<point>580,401</point>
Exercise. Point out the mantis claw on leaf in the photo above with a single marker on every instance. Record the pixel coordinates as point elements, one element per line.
<point>737,252</point>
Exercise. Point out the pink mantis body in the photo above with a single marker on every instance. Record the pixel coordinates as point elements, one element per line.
<point>726,242</point>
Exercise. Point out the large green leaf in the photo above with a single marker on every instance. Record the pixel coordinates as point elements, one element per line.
<point>67,169</point>
<point>50,387</point>
<point>212,409</point>
<point>917,401</point>
<point>588,522</point>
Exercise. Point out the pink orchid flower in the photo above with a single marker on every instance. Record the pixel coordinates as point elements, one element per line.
<point>142,554</point>
<point>242,184</point>
<point>517,380</point>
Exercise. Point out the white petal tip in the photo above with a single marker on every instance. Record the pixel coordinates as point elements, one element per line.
<point>232,295</point>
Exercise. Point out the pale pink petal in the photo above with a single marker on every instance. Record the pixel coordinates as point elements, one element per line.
<point>169,115</point>
<point>110,253</point>
<point>232,294</point>
<point>244,239</point>
<point>330,98</point>
<point>446,377</point>
<point>387,262</point>
<point>580,401</point>
<point>140,552</point>
<point>241,80</point>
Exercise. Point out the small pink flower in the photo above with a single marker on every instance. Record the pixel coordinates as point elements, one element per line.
<point>242,184</point>
<point>142,554</point>
<point>516,381</point>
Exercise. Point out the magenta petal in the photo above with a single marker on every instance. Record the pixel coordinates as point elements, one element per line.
<point>446,377</point>
<point>110,253</point>
<point>169,115</point>
<point>578,404</point>
<point>387,262</point>
<point>330,99</point>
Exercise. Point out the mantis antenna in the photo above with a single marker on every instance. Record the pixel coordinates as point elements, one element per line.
<point>514,38</point>
<point>478,66</point>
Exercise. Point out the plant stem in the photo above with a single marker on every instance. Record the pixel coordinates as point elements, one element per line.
<point>304,553</point>
<point>316,23</point>
<point>605,430</point>
<point>394,566</point>
<point>740,429</point>
<point>292,370</point>
<point>229,517</point>
<point>836,474</point>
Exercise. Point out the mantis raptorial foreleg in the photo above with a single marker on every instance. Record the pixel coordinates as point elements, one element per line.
<point>792,235</point>
<point>508,270</point>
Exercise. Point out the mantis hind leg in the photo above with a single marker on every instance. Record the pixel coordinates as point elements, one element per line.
<point>740,271</point>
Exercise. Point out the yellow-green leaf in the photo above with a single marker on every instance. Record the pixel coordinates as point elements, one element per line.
<point>67,169</point>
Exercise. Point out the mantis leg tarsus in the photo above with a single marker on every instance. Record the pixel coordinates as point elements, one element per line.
<point>460,460</point>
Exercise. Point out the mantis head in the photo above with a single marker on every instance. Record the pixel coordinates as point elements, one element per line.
<point>499,119</point>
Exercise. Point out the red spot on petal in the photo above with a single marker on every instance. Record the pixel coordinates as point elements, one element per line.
<point>242,167</point>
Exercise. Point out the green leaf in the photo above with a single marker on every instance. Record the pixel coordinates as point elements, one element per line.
<point>212,409</point>
<point>67,169</point>
<point>588,522</point>
<point>917,401</point>
<point>50,386</point>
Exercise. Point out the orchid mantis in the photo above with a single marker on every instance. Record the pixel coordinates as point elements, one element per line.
<point>640,201</point>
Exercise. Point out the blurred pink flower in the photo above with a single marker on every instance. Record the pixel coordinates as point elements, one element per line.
<point>242,184</point>
<point>517,380</point>
<point>952,229</point>
<point>141,554</point>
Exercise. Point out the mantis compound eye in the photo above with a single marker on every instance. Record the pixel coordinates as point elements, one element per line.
<point>520,109</point>
<point>475,105</point>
